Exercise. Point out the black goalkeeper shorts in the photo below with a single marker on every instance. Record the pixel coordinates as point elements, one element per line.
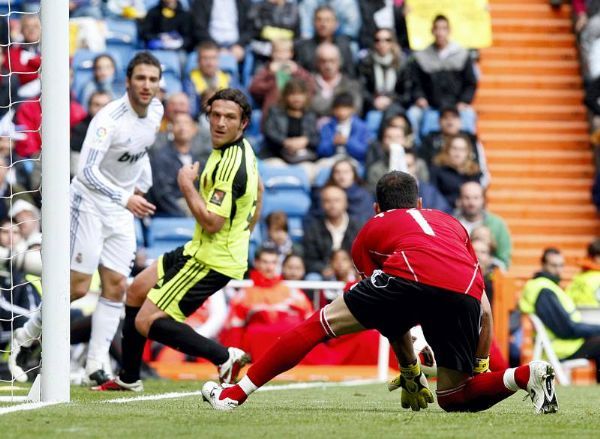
<point>393,305</point>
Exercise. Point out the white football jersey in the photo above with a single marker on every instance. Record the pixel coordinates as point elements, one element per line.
<point>114,157</point>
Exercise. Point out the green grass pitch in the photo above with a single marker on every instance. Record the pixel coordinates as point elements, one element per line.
<point>366,411</point>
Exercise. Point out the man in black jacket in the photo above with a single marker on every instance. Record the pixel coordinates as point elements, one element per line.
<point>325,234</point>
<point>166,162</point>
<point>168,26</point>
<point>443,76</point>
<point>326,24</point>
<point>225,22</point>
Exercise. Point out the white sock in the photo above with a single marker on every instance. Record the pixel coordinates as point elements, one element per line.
<point>105,322</point>
<point>32,328</point>
<point>246,385</point>
<point>509,380</point>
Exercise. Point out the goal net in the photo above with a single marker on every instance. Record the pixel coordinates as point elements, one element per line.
<point>34,115</point>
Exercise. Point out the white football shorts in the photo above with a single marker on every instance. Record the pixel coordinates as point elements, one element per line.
<point>100,236</point>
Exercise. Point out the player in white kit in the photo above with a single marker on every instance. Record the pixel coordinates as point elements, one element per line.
<point>114,173</point>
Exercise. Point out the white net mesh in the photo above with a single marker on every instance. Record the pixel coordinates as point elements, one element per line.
<point>20,195</point>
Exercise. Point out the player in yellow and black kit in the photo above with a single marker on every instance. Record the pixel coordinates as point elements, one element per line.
<point>226,208</point>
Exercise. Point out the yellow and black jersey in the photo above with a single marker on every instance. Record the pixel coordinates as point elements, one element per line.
<point>229,187</point>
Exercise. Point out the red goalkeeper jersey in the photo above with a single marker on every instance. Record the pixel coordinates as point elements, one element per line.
<point>424,245</point>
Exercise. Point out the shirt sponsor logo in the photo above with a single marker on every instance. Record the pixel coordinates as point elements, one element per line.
<point>132,158</point>
<point>218,197</point>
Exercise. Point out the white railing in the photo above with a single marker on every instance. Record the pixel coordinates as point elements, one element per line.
<point>332,289</point>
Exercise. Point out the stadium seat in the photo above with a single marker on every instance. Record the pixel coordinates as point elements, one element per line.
<point>122,31</point>
<point>256,239</point>
<point>295,229</point>
<point>170,63</point>
<point>374,119</point>
<point>294,202</point>
<point>172,228</point>
<point>83,61</point>
<point>167,233</point>
<point>15,5</point>
<point>290,177</point>
<point>253,132</point>
<point>122,53</point>
<point>542,349</point>
<point>247,68</point>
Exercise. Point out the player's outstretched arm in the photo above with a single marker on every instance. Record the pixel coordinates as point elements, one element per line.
<point>209,221</point>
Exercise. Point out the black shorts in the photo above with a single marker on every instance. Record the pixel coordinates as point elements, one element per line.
<point>184,284</point>
<point>450,321</point>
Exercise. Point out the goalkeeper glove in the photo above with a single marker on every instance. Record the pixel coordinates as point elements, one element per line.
<point>482,365</point>
<point>415,390</point>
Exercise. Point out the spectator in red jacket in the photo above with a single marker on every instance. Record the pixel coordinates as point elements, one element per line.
<point>28,118</point>
<point>25,56</point>
<point>259,313</point>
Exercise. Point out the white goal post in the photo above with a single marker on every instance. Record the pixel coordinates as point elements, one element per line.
<point>55,201</point>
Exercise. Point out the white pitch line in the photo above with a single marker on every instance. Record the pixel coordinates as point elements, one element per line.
<point>13,399</point>
<point>156,397</point>
<point>24,407</point>
<point>293,386</point>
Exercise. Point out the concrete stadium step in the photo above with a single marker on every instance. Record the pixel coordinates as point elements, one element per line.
<point>536,137</point>
<point>549,182</point>
<point>517,170</point>
<point>531,25</point>
<point>529,82</point>
<point>526,197</point>
<point>532,97</point>
<point>534,129</point>
<point>573,253</point>
<point>526,266</point>
<point>531,126</point>
<point>527,270</point>
<point>528,53</point>
<point>553,211</point>
<point>565,158</point>
<point>578,242</point>
<point>511,39</point>
<point>531,112</point>
<point>553,226</point>
<point>540,67</point>
<point>547,145</point>
<point>527,9</point>
<point>536,140</point>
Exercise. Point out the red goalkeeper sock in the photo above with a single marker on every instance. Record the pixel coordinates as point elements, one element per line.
<point>289,349</point>
<point>484,390</point>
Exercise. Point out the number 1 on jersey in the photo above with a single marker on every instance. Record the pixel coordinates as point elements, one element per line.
<point>421,221</point>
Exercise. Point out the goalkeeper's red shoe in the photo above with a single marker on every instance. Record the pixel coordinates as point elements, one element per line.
<point>116,385</point>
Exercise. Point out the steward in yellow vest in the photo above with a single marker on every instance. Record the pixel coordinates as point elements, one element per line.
<point>543,296</point>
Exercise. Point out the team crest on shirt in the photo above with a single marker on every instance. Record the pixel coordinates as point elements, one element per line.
<point>101,133</point>
<point>218,197</point>
<point>78,258</point>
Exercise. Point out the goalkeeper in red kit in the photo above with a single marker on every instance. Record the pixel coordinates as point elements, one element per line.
<point>418,267</point>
